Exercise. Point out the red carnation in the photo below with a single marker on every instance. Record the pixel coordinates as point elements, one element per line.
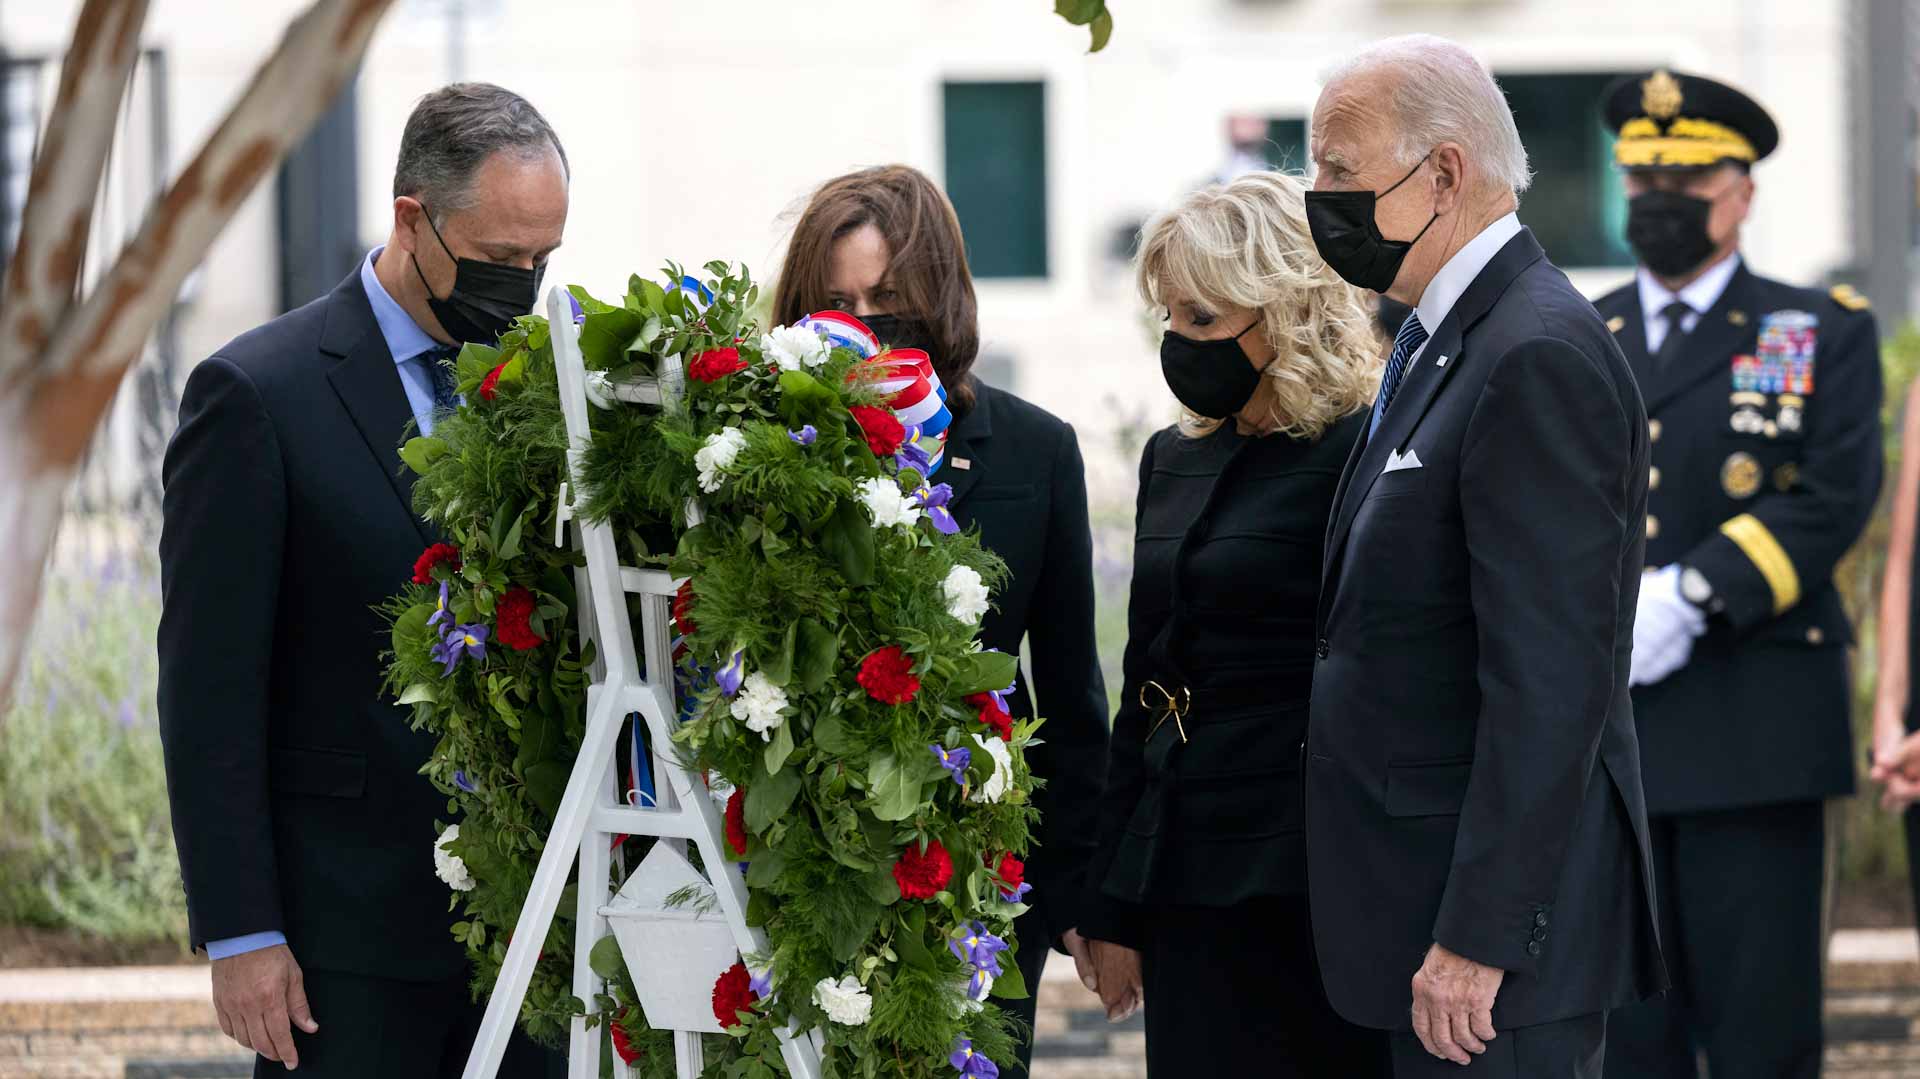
<point>715,364</point>
<point>887,676</point>
<point>733,994</point>
<point>922,874</point>
<point>1013,876</point>
<point>883,431</point>
<point>623,1044</point>
<point>993,714</point>
<point>489,385</point>
<point>683,608</point>
<point>737,822</point>
<point>439,553</point>
<point>513,620</point>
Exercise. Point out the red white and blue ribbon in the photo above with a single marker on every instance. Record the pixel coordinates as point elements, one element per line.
<point>907,378</point>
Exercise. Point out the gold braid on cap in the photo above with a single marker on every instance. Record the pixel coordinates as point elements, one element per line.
<point>1686,143</point>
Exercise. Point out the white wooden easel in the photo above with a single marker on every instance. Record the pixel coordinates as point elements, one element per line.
<point>592,810</point>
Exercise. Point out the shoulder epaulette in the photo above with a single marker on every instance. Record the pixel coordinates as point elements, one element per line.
<point>1849,297</point>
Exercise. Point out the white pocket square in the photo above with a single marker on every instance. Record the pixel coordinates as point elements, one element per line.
<point>1396,462</point>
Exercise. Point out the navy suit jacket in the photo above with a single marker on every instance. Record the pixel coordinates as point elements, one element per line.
<point>1472,772</point>
<point>296,800</point>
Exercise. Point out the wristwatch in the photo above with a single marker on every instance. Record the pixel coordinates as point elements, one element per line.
<point>1697,590</point>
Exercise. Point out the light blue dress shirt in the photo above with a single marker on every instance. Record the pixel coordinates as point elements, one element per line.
<point>409,344</point>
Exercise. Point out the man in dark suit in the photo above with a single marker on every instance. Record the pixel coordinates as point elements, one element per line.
<point>304,831</point>
<point>1760,484</point>
<point>1478,854</point>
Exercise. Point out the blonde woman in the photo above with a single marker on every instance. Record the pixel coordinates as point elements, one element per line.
<point>1197,897</point>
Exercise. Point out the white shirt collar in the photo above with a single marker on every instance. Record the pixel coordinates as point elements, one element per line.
<point>1700,294</point>
<point>1452,281</point>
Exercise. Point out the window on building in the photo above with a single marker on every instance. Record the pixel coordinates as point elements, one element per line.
<point>1577,206</point>
<point>996,164</point>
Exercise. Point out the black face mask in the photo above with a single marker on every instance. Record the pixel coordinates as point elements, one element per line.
<point>486,297</point>
<point>1668,231</point>
<point>1348,238</point>
<point>1212,378</point>
<point>900,332</point>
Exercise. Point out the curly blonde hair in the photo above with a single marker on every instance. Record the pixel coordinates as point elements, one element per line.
<point>1247,244</point>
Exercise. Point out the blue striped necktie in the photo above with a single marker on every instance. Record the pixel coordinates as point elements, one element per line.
<point>439,364</point>
<point>1405,343</point>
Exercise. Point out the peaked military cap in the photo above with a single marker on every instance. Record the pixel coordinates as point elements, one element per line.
<point>1673,120</point>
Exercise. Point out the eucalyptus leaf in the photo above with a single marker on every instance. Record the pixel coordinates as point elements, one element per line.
<point>605,958</point>
<point>848,539</point>
<point>417,693</point>
<point>830,734</point>
<point>816,648</point>
<point>1102,27</point>
<point>892,788</point>
<point>1011,984</point>
<point>985,672</point>
<point>765,868</point>
<point>780,748</point>
<point>770,797</point>
<point>777,666</point>
<point>421,452</point>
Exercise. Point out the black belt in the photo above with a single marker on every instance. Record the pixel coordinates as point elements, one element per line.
<point>1179,702</point>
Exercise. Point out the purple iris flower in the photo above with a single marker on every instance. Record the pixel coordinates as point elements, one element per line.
<point>978,948</point>
<point>954,761</point>
<point>934,500</point>
<point>462,641</point>
<point>733,674</point>
<point>762,984</point>
<point>805,435</point>
<point>979,984</point>
<point>910,455</point>
<point>970,1063</point>
<point>443,614</point>
<point>1017,894</point>
<point>460,780</point>
<point>579,314</point>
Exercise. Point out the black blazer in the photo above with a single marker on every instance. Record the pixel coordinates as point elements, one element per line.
<point>1205,809</point>
<point>1473,776</point>
<point>1762,493</point>
<point>296,803</point>
<point>1016,473</point>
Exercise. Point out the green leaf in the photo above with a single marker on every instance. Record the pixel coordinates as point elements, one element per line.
<point>547,784</point>
<point>474,361</point>
<point>1011,984</point>
<point>510,547</point>
<point>911,941</point>
<point>587,302</point>
<point>765,868</point>
<point>849,936</point>
<point>830,734</point>
<point>816,649</point>
<point>1079,12</point>
<point>770,797</point>
<point>605,958</point>
<point>780,748</point>
<point>604,337</point>
<point>1102,27</point>
<point>411,636</point>
<point>984,672</point>
<point>777,666</point>
<point>848,539</point>
<point>892,788</point>
<point>419,692</point>
<point>420,453</point>
<point>804,398</point>
<point>882,888</point>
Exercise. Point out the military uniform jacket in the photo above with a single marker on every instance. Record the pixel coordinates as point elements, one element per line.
<point>1766,464</point>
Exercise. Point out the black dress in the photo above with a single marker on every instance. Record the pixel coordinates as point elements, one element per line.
<point>1202,860</point>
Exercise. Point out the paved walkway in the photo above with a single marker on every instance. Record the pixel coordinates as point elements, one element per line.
<point>156,1022</point>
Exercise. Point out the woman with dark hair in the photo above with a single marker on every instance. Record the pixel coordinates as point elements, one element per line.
<point>883,244</point>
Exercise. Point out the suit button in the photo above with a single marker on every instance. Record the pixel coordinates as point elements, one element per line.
<point>1653,527</point>
<point>1539,934</point>
<point>1653,430</point>
<point>1321,648</point>
<point>1540,919</point>
<point>1653,479</point>
<point>1814,635</point>
<point>1533,948</point>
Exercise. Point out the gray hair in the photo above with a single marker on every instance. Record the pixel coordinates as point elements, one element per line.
<point>1440,93</point>
<point>454,130</point>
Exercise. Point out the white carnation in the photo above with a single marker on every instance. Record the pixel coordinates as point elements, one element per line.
<point>447,865</point>
<point>995,788</point>
<point>759,704</point>
<point>966,594</point>
<point>887,505</point>
<point>845,1002</point>
<point>794,347</point>
<point>717,456</point>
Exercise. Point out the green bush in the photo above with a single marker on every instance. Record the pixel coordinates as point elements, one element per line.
<point>85,839</point>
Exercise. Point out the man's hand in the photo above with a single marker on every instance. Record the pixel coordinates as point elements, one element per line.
<point>1664,627</point>
<point>1117,973</point>
<point>1082,952</point>
<point>256,994</point>
<point>1896,767</point>
<point>1453,1004</point>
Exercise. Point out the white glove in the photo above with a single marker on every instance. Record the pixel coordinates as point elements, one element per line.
<point>1664,628</point>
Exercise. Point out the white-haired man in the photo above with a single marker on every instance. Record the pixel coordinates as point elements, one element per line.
<point>1478,854</point>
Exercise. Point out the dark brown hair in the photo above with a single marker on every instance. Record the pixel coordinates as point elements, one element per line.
<point>926,258</point>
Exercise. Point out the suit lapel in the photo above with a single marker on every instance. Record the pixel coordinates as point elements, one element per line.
<point>1422,383</point>
<point>1718,335</point>
<point>966,439</point>
<point>368,385</point>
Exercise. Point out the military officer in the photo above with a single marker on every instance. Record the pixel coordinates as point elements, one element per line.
<point>1763,404</point>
